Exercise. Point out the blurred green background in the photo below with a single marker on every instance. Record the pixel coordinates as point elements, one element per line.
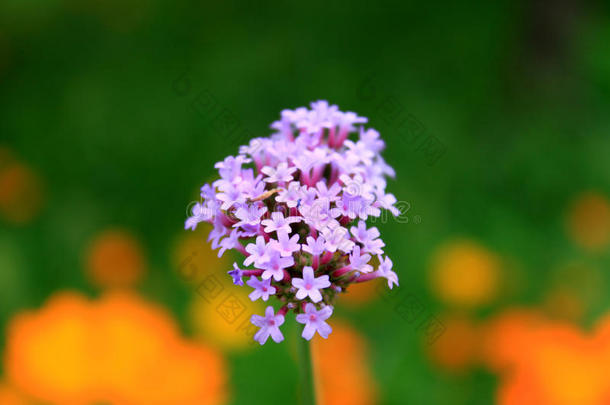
<point>99,99</point>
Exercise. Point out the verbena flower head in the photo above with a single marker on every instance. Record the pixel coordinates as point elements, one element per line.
<point>295,206</point>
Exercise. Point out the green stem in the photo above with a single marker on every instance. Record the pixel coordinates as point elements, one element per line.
<point>306,389</point>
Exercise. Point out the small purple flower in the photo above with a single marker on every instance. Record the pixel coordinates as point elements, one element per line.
<point>282,173</point>
<point>332,193</point>
<point>305,162</point>
<point>285,244</point>
<point>317,213</point>
<point>387,202</point>
<point>310,285</point>
<point>230,242</point>
<point>314,321</point>
<point>259,252</point>
<point>278,222</point>
<point>360,151</point>
<point>314,246</point>
<point>230,167</point>
<point>368,238</point>
<point>208,192</point>
<point>275,266</point>
<point>262,288</point>
<point>357,199</point>
<point>360,262</point>
<point>312,121</point>
<point>346,120</point>
<point>230,196</point>
<point>249,215</point>
<point>254,148</point>
<point>357,186</point>
<point>370,137</point>
<point>198,215</point>
<point>291,195</point>
<point>308,196</point>
<point>282,151</point>
<point>362,234</point>
<point>385,270</point>
<point>218,232</point>
<point>237,275</point>
<point>249,184</point>
<point>269,326</point>
<point>337,238</point>
<point>374,247</point>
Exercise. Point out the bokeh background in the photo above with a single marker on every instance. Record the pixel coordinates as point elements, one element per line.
<point>496,118</point>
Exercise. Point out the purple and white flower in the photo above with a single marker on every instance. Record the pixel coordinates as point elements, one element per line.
<point>274,267</point>
<point>282,173</point>
<point>237,275</point>
<point>385,270</point>
<point>258,252</point>
<point>314,247</point>
<point>315,321</point>
<point>360,262</point>
<point>279,223</point>
<point>262,289</point>
<point>269,326</point>
<point>249,215</point>
<point>291,195</point>
<point>230,242</point>
<point>309,285</point>
<point>295,205</point>
<point>337,238</point>
<point>285,244</point>
<point>368,238</point>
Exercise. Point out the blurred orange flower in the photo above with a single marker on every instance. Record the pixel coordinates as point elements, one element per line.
<point>505,336</point>
<point>9,396</point>
<point>550,363</point>
<point>457,348</point>
<point>21,191</point>
<point>48,353</point>
<point>465,274</point>
<point>588,220</point>
<point>115,258</point>
<point>341,364</point>
<point>119,350</point>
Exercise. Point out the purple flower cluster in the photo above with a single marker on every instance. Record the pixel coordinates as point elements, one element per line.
<point>295,205</point>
